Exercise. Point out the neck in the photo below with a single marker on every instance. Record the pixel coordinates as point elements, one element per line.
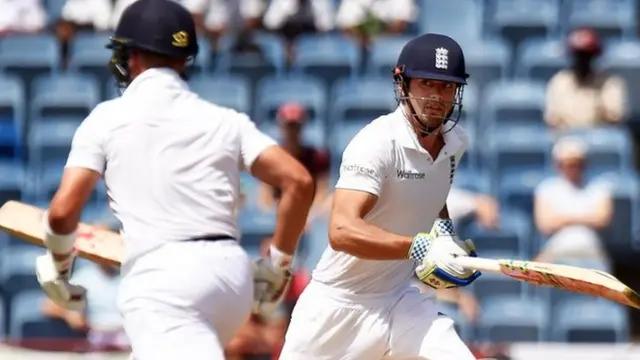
<point>433,144</point>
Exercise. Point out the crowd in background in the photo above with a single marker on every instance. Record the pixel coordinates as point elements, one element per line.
<point>569,211</point>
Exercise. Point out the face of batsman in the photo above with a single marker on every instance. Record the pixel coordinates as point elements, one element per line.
<point>432,103</point>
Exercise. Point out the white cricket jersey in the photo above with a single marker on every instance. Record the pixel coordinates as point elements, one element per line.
<point>386,159</point>
<point>171,161</point>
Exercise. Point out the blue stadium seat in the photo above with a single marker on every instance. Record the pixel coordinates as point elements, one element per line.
<point>67,95</point>
<point>610,18</point>
<point>16,269</point>
<point>489,285</point>
<point>383,55</point>
<point>27,322</point>
<point>438,17</point>
<point>487,60</point>
<point>620,58</point>
<point>610,148</point>
<point>518,148</point>
<point>590,321</point>
<point>12,116</point>
<point>517,189</point>
<point>316,241</point>
<point>329,57</point>
<point>340,137</point>
<point>50,141</point>
<point>272,92</point>
<point>470,104</point>
<point>513,319</point>
<point>250,188</point>
<point>88,54</point>
<point>512,236</point>
<point>541,58</point>
<point>29,55</point>
<point>361,98</point>
<point>12,180</point>
<point>253,65</point>
<point>230,91</point>
<point>255,225</point>
<point>517,20</point>
<point>626,197</point>
<point>513,102</point>
<point>471,179</point>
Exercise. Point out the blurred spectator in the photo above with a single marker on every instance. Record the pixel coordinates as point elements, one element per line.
<point>368,18</point>
<point>265,335</point>
<point>291,118</point>
<point>571,211</point>
<point>584,96</point>
<point>292,18</point>
<point>101,320</point>
<point>21,16</point>
<point>223,16</point>
<point>463,204</point>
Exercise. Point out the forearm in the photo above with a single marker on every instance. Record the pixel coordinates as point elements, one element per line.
<point>366,241</point>
<point>293,209</point>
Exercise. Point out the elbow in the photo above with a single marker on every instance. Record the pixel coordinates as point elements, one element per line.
<point>339,235</point>
<point>302,185</point>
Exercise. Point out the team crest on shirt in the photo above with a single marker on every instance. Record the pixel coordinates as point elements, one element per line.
<point>442,58</point>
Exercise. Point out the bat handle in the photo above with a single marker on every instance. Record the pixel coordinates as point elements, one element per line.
<point>478,263</point>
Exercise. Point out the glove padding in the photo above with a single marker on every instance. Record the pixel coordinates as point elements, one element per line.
<point>53,277</point>
<point>438,268</point>
<point>270,286</point>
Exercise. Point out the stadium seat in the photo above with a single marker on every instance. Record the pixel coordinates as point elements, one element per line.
<point>361,98</point>
<point>490,284</point>
<point>88,55</point>
<point>610,18</point>
<point>620,58</point>
<point>316,241</point>
<point>27,322</point>
<point>512,236</point>
<point>471,179</point>
<point>518,148</point>
<point>438,17</point>
<point>470,104</point>
<point>341,135</point>
<point>272,92</point>
<point>517,20</point>
<point>255,225</point>
<point>610,148</point>
<point>225,90</point>
<point>590,321</point>
<point>329,57</point>
<point>69,95</point>
<point>517,189</point>
<point>513,319</point>
<point>541,58</point>
<point>29,55</point>
<point>383,54</point>
<point>487,60</point>
<point>513,102</point>
<point>252,65</point>
<point>12,180</point>
<point>50,142</point>
<point>12,116</point>
<point>16,269</point>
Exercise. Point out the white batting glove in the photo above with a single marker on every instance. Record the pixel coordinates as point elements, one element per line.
<point>435,253</point>
<point>53,276</point>
<point>270,286</point>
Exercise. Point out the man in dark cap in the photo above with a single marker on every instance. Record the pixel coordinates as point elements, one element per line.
<point>394,180</point>
<point>171,163</point>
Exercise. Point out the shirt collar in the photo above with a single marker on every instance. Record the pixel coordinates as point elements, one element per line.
<point>407,138</point>
<point>156,78</point>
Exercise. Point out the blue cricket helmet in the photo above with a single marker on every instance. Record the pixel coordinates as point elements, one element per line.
<point>162,27</point>
<point>433,57</point>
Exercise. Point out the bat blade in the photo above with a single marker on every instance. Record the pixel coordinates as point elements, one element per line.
<point>570,278</point>
<point>24,221</point>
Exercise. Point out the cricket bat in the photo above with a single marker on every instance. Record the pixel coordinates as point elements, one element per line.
<point>24,221</point>
<point>564,277</point>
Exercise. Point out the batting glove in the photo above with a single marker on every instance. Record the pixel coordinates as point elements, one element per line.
<point>53,276</point>
<point>270,286</point>
<point>435,254</point>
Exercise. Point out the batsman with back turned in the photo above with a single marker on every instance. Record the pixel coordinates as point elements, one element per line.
<point>171,162</point>
<point>394,180</point>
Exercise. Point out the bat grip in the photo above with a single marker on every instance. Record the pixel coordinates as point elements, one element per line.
<point>478,263</point>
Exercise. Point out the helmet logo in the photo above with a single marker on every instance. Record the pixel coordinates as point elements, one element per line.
<point>180,39</point>
<point>442,58</point>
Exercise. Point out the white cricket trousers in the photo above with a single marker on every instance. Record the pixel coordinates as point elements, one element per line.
<point>186,300</point>
<point>406,325</point>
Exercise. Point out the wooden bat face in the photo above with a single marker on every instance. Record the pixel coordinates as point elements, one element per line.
<point>25,222</point>
<point>571,278</point>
